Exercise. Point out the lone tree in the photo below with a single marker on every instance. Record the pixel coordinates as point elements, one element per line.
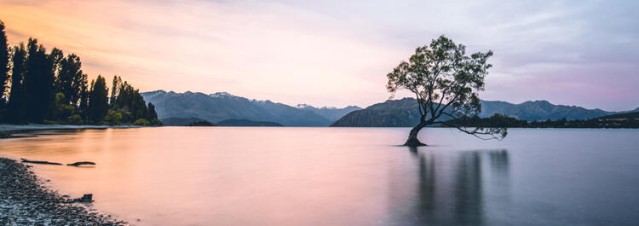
<point>445,82</point>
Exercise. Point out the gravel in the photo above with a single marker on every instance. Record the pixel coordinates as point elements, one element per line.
<point>24,200</point>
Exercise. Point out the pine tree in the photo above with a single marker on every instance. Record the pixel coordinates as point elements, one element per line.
<point>98,100</point>
<point>53,87</point>
<point>4,67</point>
<point>151,115</point>
<point>17,101</point>
<point>38,82</point>
<point>70,78</point>
<point>84,97</point>
<point>115,89</point>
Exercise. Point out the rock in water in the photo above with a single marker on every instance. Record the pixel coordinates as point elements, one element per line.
<point>86,198</point>
<point>76,164</point>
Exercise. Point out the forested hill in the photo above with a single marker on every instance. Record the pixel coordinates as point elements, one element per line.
<point>404,113</point>
<point>539,110</point>
<point>41,86</point>
<point>392,113</point>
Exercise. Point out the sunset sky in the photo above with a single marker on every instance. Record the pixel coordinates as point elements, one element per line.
<point>337,52</point>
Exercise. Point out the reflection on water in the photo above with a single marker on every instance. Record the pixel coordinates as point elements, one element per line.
<point>449,187</point>
<point>345,176</point>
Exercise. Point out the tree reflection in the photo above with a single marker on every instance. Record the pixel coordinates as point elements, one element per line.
<point>450,187</point>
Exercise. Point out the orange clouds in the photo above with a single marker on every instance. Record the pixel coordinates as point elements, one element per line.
<point>247,49</point>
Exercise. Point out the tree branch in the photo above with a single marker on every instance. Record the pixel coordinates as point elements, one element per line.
<point>479,132</point>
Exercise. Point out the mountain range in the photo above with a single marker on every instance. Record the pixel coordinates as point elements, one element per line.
<point>404,113</point>
<point>178,108</point>
<point>183,108</point>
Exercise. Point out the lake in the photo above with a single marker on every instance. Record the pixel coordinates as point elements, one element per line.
<point>345,176</point>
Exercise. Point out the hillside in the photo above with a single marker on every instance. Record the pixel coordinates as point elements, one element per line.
<point>404,113</point>
<point>222,106</point>
<point>391,113</point>
<point>331,113</point>
<point>539,110</point>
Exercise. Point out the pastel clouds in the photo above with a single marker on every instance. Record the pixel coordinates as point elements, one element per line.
<point>338,52</point>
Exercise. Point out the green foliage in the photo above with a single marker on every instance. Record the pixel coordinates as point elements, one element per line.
<point>75,120</point>
<point>98,100</point>
<point>115,88</point>
<point>62,109</point>
<point>17,100</point>
<point>4,65</point>
<point>70,80</point>
<point>128,100</point>
<point>51,87</point>
<point>445,82</point>
<point>200,123</point>
<point>141,122</point>
<point>150,113</point>
<point>83,108</point>
<point>156,122</point>
<point>113,117</point>
<point>38,82</point>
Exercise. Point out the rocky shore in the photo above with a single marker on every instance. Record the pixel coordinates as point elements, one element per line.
<point>30,130</point>
<point>24,200</point>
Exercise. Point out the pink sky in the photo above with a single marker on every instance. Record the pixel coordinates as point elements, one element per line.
<point>336,53</point>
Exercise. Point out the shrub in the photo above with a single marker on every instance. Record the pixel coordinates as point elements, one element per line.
<point>141,122</point>
<point>74,120</point>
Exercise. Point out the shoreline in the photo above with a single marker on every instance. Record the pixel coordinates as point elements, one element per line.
<point>18,131</point>
<point>26,200</point>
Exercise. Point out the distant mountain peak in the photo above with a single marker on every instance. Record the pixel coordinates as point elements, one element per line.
<point>302,106</point>
<point>156,92</point>
<point>223,105</point>
<point>538,102</point>
<point>308,106</point>
<point>221,94</point>
<point>404,112</point>
<point>311,107</point>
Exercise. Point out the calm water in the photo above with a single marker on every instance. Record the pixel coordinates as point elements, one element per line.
<point>346,176</point>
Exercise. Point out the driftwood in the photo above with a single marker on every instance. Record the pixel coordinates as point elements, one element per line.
<point>41,162</point>
<point>77,164</point>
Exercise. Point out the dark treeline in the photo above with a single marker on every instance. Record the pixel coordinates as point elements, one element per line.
<point>497,120</point>
<point>37,86</point>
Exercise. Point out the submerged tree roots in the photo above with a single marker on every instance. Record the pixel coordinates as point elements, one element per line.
<point>414,142</point>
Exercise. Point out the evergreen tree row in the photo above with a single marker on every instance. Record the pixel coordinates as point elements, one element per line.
<point>37,86</point>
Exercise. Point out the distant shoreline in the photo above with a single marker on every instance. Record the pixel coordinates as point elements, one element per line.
<point>13,131</point>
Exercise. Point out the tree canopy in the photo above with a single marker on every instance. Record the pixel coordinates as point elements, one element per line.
<point>49,87</point>
<point>445,82</point>
<point>4,67</point>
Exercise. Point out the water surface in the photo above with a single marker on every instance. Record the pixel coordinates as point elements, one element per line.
<point>345,176</point>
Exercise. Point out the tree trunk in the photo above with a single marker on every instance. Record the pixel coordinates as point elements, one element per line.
<point>412,136</point>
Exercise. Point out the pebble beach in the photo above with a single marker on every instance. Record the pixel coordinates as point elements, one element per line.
<point>26,200</point>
